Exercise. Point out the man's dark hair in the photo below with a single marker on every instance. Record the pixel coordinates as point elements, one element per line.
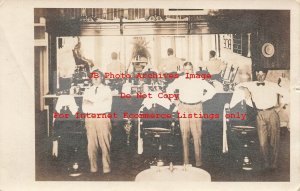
<point>170,51</point>
<point>187,64</point>
<point>114,56</point>
<point>101,76</point>
<point>212,53</point>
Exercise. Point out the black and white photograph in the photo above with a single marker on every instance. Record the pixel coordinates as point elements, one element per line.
<point>162,94</point>
<point>117,95</point>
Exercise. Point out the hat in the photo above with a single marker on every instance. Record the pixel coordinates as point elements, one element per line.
<point>268,50</point>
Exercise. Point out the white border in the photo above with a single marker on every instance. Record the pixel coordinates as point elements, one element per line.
<point>17,138</point>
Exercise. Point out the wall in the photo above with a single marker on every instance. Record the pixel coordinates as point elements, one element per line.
<point>235,60</point>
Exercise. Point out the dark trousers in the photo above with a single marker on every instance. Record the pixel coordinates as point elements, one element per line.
<point>268,127</point>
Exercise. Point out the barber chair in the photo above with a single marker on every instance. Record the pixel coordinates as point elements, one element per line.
<point>158,135</point>
<point>69,141</point>
<point>243,143</point>
<point>149,81</point>
<point>154,84</point>
<point>116,84</point>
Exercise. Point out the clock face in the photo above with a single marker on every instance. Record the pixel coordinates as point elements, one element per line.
<point>268,50</point>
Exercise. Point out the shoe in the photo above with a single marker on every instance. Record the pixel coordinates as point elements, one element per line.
<point>106,176</point>
<point>199,165</point>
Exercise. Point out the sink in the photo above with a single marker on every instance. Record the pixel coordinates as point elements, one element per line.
<point>179,173</point>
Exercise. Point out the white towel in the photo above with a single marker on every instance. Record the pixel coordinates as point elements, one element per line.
<point>225,144</point>
<point>55,148</point>
<point>140,140</point>
<point>147,102</point>
<point>238,96</point>
<point>66,100</point>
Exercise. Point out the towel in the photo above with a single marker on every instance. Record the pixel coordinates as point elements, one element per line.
<point>66,100</point>
<point>55,148</point>
<point>225,143</point>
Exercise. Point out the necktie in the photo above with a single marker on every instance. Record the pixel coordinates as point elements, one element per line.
<point>260,83</point>
<point>96,90</point>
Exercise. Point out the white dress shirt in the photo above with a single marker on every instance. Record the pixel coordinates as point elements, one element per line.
<point>192,90</point>
<point>214,66</point>
<point>101,100</point>
<point>263,96</point>
<point>170,64</point>
<point>115,67</point>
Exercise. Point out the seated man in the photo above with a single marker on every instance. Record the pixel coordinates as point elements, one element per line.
<point>80,59</point>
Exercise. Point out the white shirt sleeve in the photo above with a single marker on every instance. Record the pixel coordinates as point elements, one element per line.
<point>86,97</point>
<point>108,96</point>
<point>284,92</point>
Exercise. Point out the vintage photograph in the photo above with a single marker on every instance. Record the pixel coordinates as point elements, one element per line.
<point>162,94</point>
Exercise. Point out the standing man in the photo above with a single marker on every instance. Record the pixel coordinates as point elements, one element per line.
<point>263,96</point>
<point>98,99</point>
<point>170,64</point>
<point>115,66</point>
<point>214,65</point>
<point>192,93</point>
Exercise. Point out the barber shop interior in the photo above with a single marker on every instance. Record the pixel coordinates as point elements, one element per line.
<point>144,94</point>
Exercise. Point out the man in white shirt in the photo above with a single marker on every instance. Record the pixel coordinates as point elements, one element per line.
<point>192,93</point>
<point>170,64</point>
<point>115,66</point>
<point>98,99</point>
<point>214,65</point>
<point>263,96</point>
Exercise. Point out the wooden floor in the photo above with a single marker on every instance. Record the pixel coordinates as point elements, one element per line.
<point>126,163</point>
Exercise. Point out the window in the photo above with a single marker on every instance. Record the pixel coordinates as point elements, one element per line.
<point>240,44</point>
<point>181,49</point>
<point>166,42</point>
<point>237,43</point>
